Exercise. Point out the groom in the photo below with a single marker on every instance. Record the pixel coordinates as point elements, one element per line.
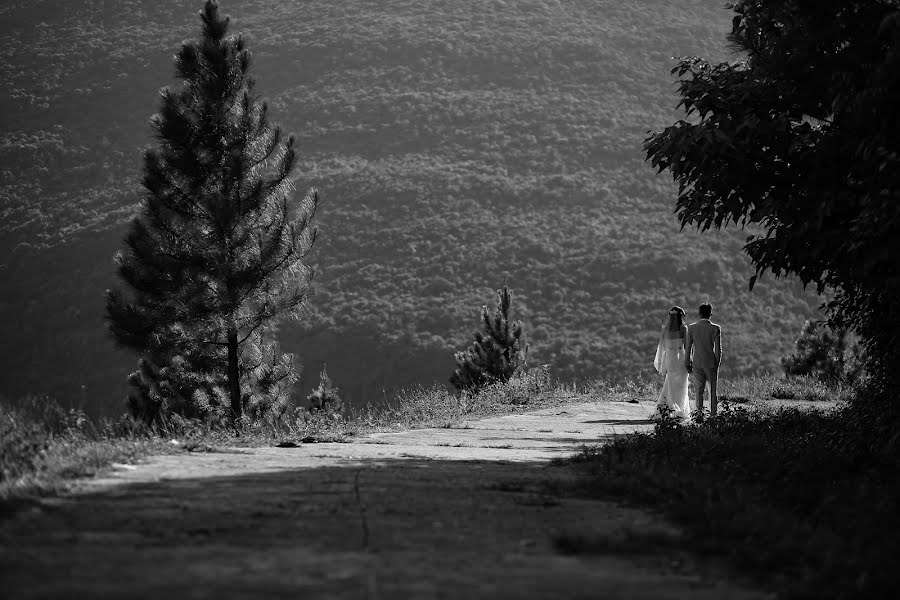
<point>703,355</point>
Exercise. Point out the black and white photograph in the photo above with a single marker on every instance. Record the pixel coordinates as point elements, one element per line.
<point>449,299</point>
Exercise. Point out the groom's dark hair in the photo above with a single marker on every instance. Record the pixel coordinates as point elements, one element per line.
<point>705,310</point>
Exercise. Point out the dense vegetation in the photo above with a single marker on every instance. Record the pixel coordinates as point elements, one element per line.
<point>459,146</point>
<point>796,499</point>
<point>830,354</point>
<point>43,445</point>
<point>800,140</point>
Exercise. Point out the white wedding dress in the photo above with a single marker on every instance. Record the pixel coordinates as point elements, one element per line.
<point>670,362</point>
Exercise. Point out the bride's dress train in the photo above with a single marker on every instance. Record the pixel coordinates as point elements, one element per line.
<point>670,361</point>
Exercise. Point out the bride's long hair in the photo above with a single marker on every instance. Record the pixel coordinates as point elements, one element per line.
<point>676,319</point>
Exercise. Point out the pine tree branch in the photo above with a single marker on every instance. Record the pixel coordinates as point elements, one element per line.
<point>258,324</point>
<point>208,343</point>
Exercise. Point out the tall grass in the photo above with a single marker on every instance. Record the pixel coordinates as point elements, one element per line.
<point>766,387</point>
<point>417,407</point>
<point>42,445</point>
<point>804,500</point>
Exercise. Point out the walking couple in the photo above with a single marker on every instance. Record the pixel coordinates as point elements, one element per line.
<point>694,349</point>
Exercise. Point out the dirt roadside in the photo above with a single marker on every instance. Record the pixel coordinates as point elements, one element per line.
<point>470,512</point>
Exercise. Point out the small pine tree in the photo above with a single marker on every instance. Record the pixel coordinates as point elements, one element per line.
<point>499,350</point>
<point>326,397</point>
<point>216,256</point>
<point>825,353</point>
<point>271,378</point>
<point>179,381</point>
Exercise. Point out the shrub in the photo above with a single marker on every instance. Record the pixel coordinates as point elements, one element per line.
<point>833,355</point>
<point>802,499</point>
<point>325,399</point>
<point>499,350</point>
<point>22,441</point>
<point>42,444</point>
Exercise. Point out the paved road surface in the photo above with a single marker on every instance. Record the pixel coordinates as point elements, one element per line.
<point>473,512</point>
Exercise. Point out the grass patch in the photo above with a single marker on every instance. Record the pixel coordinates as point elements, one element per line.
<point>42,445</point>
<point>768,387</point>
<point>414,408</point>
<point>802,500</point>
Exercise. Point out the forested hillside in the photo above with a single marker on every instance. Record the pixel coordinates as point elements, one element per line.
<point>458,145</point>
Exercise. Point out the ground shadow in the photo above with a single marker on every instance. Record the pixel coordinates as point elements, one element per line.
<point>567,444</point>
<point>622,421</point>
<point>335,528</point>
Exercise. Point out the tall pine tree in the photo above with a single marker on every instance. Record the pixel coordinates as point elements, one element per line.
<point>498,352</point>
<point>216,255</point>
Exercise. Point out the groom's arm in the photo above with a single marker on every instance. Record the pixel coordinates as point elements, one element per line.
<point>688,342</point>
<point>718,346</point>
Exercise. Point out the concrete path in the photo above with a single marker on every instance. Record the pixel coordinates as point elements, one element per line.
<point>470,512</point>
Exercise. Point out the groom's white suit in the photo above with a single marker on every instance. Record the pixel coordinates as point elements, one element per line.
<point>703,355</point>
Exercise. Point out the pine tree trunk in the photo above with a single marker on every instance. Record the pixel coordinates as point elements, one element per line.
<point>234,375</point>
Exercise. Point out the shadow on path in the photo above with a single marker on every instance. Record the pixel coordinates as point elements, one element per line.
<point>622,421</point>
<point>347,529</point>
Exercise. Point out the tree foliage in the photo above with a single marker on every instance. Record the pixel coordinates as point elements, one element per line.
<point>326,397</point>
<point>216,256</point>
<point>499,350</point>
<point>832,355</point>
<point>800,139</point>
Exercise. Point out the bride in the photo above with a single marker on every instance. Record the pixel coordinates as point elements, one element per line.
<point>670,361</point>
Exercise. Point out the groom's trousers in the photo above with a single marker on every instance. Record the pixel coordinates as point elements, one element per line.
<point>701,375</point>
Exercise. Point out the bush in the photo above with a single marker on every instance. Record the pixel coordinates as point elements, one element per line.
<point>499,350</point>
<point>832,355</point>
<point>325,399</point>
<point>42,444</point>
<point>802,499</point>
<point>22,441</point>
<point>522,388</point>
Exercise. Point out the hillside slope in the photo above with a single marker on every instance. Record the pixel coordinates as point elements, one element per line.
<point>459,145</point>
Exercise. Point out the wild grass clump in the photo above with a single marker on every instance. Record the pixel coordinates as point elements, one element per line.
<point>43,444</point>
<point>433,406</point>
<point>417,407</point>
<point>765,387</point>
<point>525,388</point>
<point>422,407</point>
<point>21,443</point>
<point>630,390</point>
<point>805,500</point>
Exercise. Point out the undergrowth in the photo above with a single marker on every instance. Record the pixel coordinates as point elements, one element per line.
<point>42,445</point>
<point>805,501</point>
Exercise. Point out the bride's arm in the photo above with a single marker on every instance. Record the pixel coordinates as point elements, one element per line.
<point>659,359</point>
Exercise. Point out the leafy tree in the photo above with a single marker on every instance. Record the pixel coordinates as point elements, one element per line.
<point>499,350</point>
<point>216,255</point>
<point>825,353</point>
<point>799,140</point>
